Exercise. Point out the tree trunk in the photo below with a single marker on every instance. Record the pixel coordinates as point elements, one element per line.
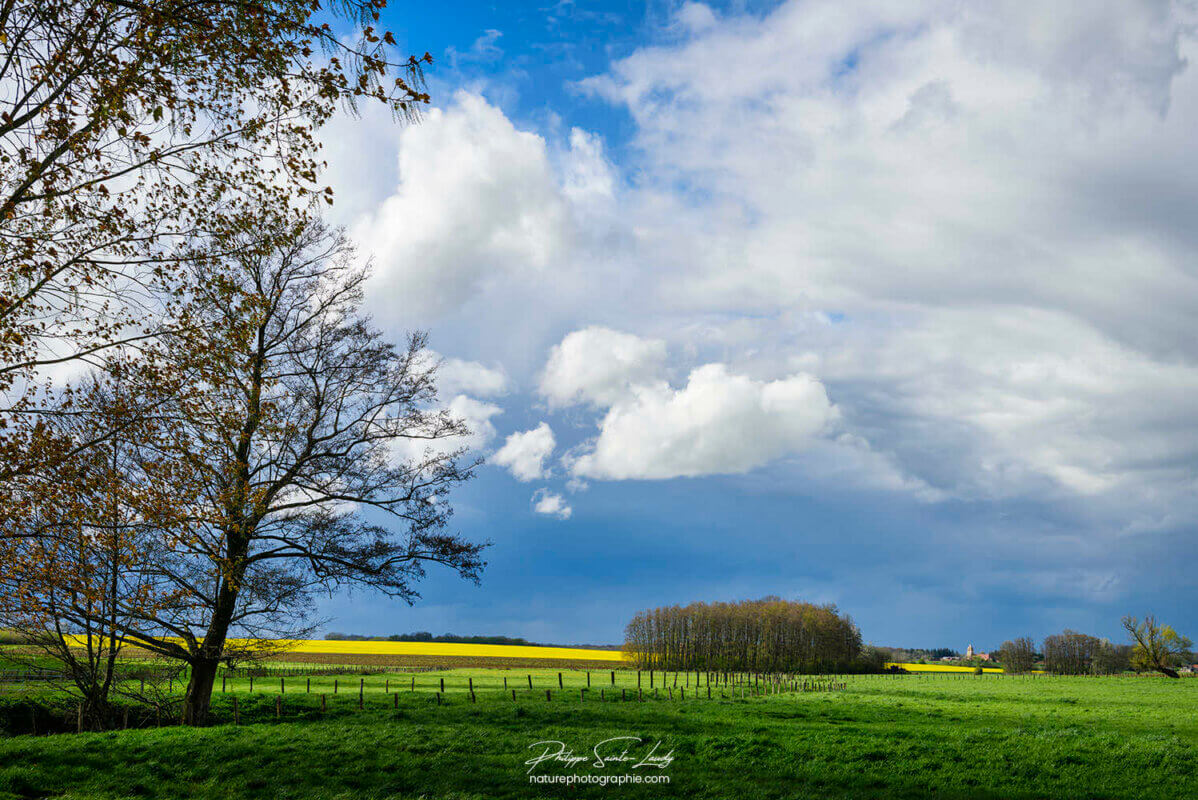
<point>94,710</point>
<point>1170,672</point>
<point>199,691</point>
<point>205,663</point>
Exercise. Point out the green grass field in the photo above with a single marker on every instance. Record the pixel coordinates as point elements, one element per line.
<point>978,737</point>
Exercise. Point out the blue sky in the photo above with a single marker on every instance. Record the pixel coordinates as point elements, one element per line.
<point>885,307</point>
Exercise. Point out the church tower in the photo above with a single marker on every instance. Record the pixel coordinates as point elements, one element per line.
<point>969,651</point>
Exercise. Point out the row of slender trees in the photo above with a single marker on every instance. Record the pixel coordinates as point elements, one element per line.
<point>194,412</point>
<point>767,635</point>
<point>1073,653</point>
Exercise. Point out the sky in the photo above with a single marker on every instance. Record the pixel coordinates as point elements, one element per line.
<point>887,305</point>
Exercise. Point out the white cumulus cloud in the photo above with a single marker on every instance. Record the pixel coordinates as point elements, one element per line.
<point>719,423</point>
<point>551,504</point>
<point>456,376</point>
<point>524,453</point>
<point>477,200</point>
<point>598,365</point>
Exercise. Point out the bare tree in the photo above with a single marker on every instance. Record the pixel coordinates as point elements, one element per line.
<point>1017,656</point>
<point>311,451</point>
<point>1070,653</point>
<point>1157,647</point>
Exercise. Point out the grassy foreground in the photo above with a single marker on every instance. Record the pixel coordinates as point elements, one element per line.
<point>941,736</point>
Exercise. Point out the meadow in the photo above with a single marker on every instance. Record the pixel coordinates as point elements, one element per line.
<point>926,735</point>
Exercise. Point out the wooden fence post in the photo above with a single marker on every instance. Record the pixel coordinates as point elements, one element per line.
<point>471,685</point>
<point>395,699</point>
<point>335,685</point>
<point>505,683</point>
<point>588,679</point>
<point>282,685</point>
<point>251,684</point>
<point>513,695</point>
<point>309,689</point>
<point>79,719</point>
<point>613,677</point>
<point>278,706</point>
<point>559,681</point>
<point>548,697</point>
<point>530,683</point>
<point>323,706</point>
<point>223,678</point>
<point>413,683</point>
<point>361,690</point>
<point>236,712</point>
<point>442,684</point>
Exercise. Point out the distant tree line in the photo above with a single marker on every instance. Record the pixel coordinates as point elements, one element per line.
<point>425,636</point>
<point>904,655</point>
<point>767,635</point>
<point>941,652</point>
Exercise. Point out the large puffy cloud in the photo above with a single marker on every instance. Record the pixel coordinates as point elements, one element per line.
<point>525,452</point>
<point>718,423</point>
<point>923,154</point>
<point>988,201</point>
<point>597,366</point>
<point>477,200</point>
<point>969,222</point>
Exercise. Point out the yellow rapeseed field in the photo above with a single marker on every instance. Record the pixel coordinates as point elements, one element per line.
<point>348,648</point>
<point>450,649</point>
<point>940,668</point>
